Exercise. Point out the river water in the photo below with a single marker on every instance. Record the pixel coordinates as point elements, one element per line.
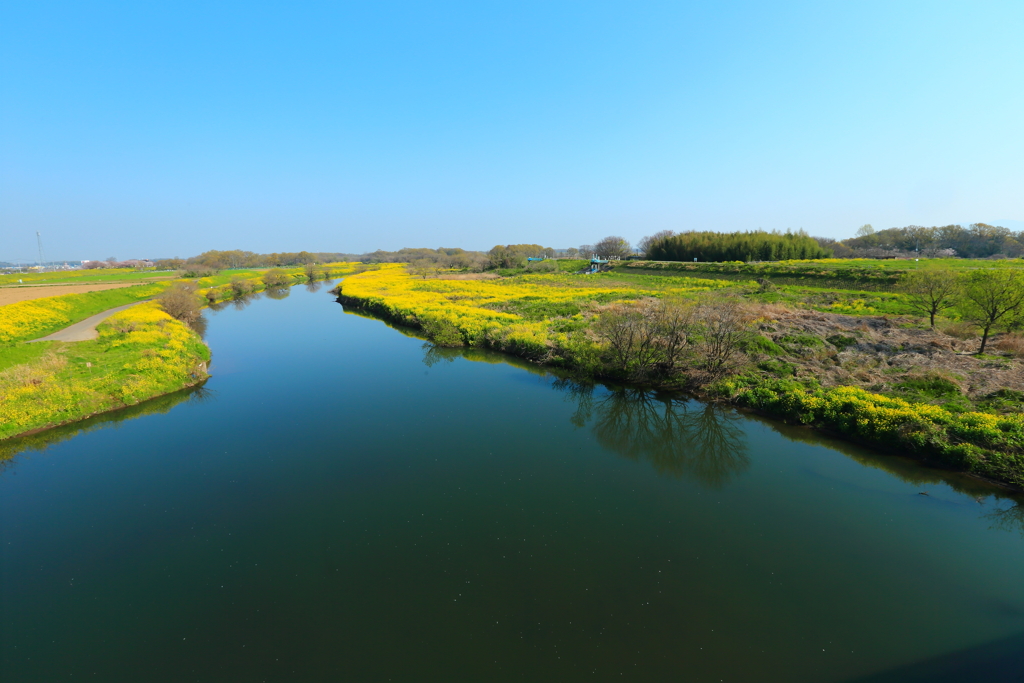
<point>343,502</point>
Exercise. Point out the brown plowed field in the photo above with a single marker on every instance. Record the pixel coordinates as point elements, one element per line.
<point>12,295</point>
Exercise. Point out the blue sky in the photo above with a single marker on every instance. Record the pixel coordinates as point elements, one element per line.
<point>159,129</point>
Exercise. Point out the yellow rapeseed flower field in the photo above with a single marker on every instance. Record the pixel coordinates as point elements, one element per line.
<point>140,353</point>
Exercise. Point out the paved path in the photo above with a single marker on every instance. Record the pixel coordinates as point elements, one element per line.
<point>85,329</point>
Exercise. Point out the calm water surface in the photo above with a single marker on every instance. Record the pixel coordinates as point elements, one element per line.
<point>340,503</point>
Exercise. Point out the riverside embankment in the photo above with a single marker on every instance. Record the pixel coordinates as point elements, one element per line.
<point>67,358</point>
<point>341,501</point>
<point>877,380</point>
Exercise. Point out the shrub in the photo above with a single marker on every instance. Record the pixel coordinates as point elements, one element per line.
<point>1011,343</point>
<point>779,368</point>
<point>240,287</point>
<point>197,272</point>
<point>929,386</point>
<point>761,344</point>
<point>182,301</point>
<point>443,332</point>
<point>314,272</point>
<point>841,342</point>
<point>275,278</point>
<point>964,330</point>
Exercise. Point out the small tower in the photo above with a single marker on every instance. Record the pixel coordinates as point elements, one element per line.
<point>39,241</point>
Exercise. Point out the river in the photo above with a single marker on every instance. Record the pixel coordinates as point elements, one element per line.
<point>343,502</point>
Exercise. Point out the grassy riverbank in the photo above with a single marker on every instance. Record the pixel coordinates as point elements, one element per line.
<point>888,381</point>
<point>140,353</point>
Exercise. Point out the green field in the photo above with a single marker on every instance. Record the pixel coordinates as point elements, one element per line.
<point>71,277</point>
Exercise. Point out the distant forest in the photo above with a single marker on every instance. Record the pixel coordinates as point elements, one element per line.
<point>978,240</point>
<point>236,258</point>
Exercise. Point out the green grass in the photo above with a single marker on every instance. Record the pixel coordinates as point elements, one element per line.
<point>865,275</point>
<point>84,276</point>
<point>140,353</point>
<point>21,352</point>
<point>82,306</point>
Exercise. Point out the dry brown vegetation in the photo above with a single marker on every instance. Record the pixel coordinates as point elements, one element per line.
<point>877,353</point>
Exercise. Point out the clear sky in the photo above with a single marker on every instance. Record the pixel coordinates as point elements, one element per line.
<point>154,129</point>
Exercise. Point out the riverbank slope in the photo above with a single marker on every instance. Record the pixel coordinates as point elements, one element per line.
<point>885,381</point>
<point>137,354</point>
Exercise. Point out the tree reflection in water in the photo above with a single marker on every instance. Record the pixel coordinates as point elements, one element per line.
<point>432,355</point>
<point>241,303</point>
<point>1008,519</point>
<point>677,436</point>
<point>277,293</point>
<point>315,286</point>
<point>199,326</point>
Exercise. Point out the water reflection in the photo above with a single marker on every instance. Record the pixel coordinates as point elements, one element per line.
<point>278,293</point>
<point>43,440</point>
<point>1008,519</point>
<point>199,325</point>
<point>314,286</point>
<point>240,303</point>
<point>432,355</point>
<point>679,437</point>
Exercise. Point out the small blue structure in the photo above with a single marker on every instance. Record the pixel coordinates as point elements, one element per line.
<point>530,258</point>
<point>596,263</point>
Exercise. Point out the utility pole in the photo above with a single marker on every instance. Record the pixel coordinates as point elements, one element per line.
<point>39,239</point>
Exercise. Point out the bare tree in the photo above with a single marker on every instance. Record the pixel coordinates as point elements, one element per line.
<point>647,336</point>
<point>613,247</point>
<point>992,297</point>
<point>631,336</point>
<point>182,301</point>
<point>930,291</point>
<point>647,242</point>
<point>723,326</point>
<point>675,322</point>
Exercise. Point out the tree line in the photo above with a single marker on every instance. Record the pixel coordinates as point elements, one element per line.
<point>214,260</point>
<point>978,240</point>
<point>755,245</point>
